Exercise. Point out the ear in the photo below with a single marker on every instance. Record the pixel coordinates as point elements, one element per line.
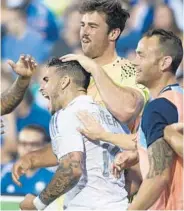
<point>166,63</point>
<point>65,81</point>
<point>114,34</point>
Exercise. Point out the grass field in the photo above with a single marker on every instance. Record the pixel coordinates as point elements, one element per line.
<point>12,203</point>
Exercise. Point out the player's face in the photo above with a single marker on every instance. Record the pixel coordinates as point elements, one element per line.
<point>29,140</point>
<point>49,88</point>
<point>147,61</point>
<point>94,34</point>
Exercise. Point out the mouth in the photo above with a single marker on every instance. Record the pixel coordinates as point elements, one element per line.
<point>138,71</point>
<point>85,41</point>
<point>46,96</point>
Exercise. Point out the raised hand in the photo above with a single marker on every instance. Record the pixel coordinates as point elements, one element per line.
<point>25,66</point>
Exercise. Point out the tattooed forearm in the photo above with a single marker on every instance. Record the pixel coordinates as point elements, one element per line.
<point>14,95</point>
<point>160,157</point>
<point>65,178</point>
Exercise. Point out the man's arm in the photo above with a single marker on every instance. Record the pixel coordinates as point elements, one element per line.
<point>173,134</point>
<point>11,98</point>
<point>40,158</point>
<point>65,178</point>
<point>25,67</point>
<point>93,130</point>
<point>125,103</point>
<point>160,160</point>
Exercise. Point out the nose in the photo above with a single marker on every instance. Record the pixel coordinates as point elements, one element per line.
<point>135,61</point>
<point>85,30</point>
<point>42,86</point>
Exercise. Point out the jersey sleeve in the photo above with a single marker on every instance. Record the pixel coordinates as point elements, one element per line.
<point>157,115</point>
<point>67,138</point>
<point>128,78</point>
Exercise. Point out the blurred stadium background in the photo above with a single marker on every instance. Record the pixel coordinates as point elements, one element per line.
<point>46,28</point>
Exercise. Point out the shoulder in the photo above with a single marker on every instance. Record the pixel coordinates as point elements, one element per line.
<point>127,68</point>
<point>162,106</point>
<point>156,116</point>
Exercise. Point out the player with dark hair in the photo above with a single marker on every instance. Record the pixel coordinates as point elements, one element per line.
<point>83,172</point>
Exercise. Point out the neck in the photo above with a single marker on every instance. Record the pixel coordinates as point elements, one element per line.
<point>71,95</point>
<point>107,57</point>
<point>160,84</point>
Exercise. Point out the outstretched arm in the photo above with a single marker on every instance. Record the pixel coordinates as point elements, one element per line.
<point>93,130</point>
<point>43,157</point>
<point>14,95</point>
<point>65,178</point>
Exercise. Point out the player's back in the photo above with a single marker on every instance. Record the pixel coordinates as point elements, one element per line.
<point>97,188</point>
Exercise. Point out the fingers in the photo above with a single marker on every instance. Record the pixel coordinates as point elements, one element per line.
<point>16,175</point>
<point>11,63</point>
<point>69,57</point>
<point>82,131</point>
<point>29,61</point>
<point>179,127</point>
<point>86,118</point>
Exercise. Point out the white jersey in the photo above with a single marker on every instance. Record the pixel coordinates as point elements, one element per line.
<point>97,188</point>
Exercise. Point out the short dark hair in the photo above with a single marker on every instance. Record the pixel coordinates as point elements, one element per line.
<point>116,17</point>
<point>72,68</point>
<point>171,46</point>
<point>39,129</point>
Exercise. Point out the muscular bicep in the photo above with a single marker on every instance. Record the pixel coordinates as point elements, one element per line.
<point>66,177</point>
<point>160,156</point>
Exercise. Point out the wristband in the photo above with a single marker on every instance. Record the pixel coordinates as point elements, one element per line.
<point>39,204</point>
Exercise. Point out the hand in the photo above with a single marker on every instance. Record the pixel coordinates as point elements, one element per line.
<point>170,129</point>
<point>27,203</point>
<point>20,168</point>
<point>2,127</point>
<point>124,160</point>
<point>92,128</point>
<point>88,64</point>
<point>25,66</point>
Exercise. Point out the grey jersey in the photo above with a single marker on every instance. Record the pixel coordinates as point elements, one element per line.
<point>97,189</point>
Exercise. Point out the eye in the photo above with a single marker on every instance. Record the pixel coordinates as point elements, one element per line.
<point>93,26</point>
<point>46,79</point>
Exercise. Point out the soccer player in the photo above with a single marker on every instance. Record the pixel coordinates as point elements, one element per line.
<point>114,84</point>
<point>101,25</point>
<point>83,174</point>
<point>159,54</point>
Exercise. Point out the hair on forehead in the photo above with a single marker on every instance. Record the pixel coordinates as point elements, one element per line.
<point>38,129</point>
<point>170,44</point>
<point>73,69</point>
<point>116,16</point>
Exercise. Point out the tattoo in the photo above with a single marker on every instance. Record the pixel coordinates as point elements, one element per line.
<point>160,157</point>
<point>14,95</point>
<point>65,178</point>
